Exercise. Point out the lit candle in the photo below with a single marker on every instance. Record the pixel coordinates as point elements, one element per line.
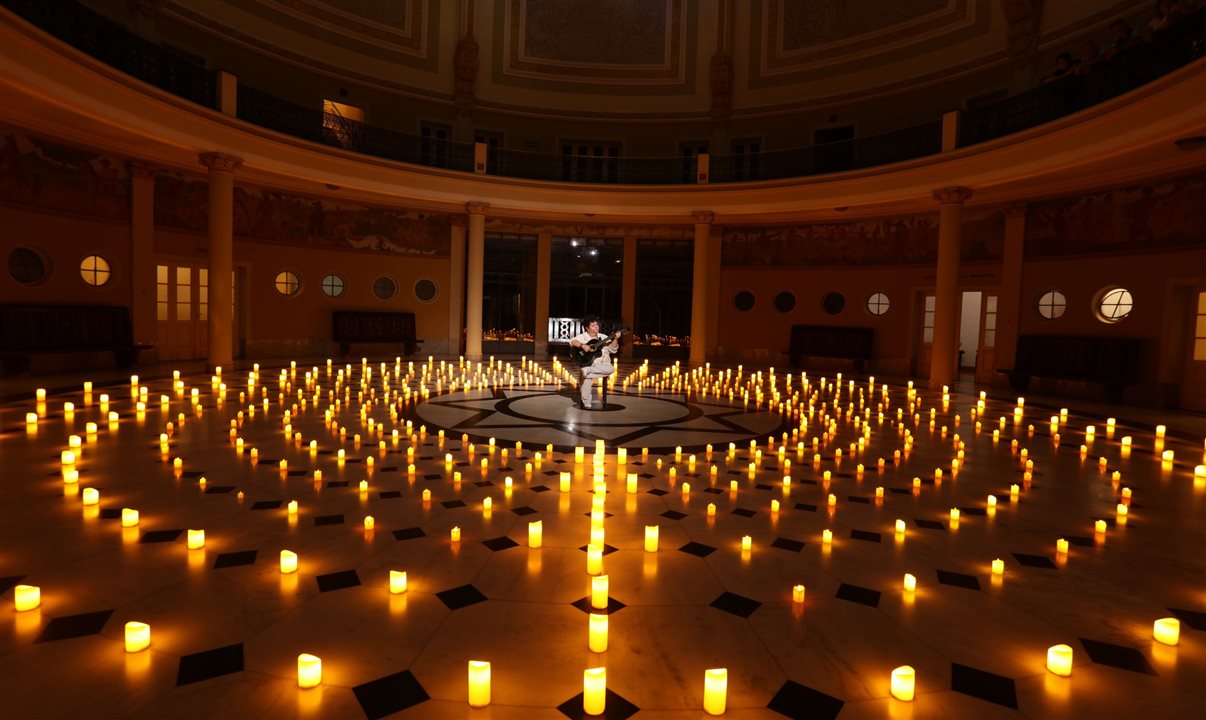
<point>535,534</point>
<point>196,539</point>
<point>397,582</point>
<point>900,527</point>
<point>456,534</point>
<point>597,641</point>
<point>827,536</point>
<point>1059,660</point>
<point>594,690</point>
<point>774,506</point>
<point>426,495</point>
<point>651,538</point>
<point>291,508</point>
<point>797,594</point>
<point>138,636</point>
<point>1061,546</point>
<point>369,522</point>
<point>91,496</point>
<point>598,592</point>
<point>632,483</point>
<point>26,597</point>
<point>1100,527</point>
<point>716,687</point>
<point>309,671</point>
<point>594,559</point>
<point>711,509</point>
<point>565,482</point>
<point>129,517</point>
<point>288,562</point>
<point>479,683</point>
<point>1167,631</point>
<point>910,582</point>
<point>1121,514</point>
<point>998,567</point>
<point>903,681</point>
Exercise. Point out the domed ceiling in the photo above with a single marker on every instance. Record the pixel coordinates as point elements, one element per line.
<point>667,58</point>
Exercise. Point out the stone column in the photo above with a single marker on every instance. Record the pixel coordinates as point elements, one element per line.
<point>544,276</point>
<point>142,252</point>
<point>221,255</point>
<point>475,278</point>
<point>628,292</point>
<point>945,349</point>
<point>713,312</point>
<point>1009,304</point>
<point>456,286</point>
<point>699,287</point>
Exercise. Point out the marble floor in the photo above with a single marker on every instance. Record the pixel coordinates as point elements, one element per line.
<point>227,625</point>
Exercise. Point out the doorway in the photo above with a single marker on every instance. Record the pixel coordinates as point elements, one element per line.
<point>969,329</point>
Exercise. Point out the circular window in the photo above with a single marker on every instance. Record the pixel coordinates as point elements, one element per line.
<point>426,290</point>
<point>1052,304</point>
<point>878,304</point>
<point>833,303</point>
<point>287,283</point>
<point>385,288</point>
<point>28,266</point>
<point>1114,304</point>
<point>95,270</point>
<point>785,302</point>
<point>744,301</point>
<point>333,285</point>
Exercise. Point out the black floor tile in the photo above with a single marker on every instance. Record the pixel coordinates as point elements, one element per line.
<point>110,514</point>
<point>1192,618</point>
<point>524,510</point>
<point>500,543</point>
<point>1119,656</point>
<point>390,694</point>
<point>900,491</point>
<point>744,512</point>
<point>613,606</point>
<point>1080,540</point>
<point>432,476</point>
<point>861,595</point>
<point>389,494</point>
<point>265,505</point>
<point>787,544</point>
<point>539,488</point>
<point>192,474</point>
<point>607,549</point>
<point>323,520</point>
<point>658,492</point>
<point>337,580</point>
<point>984,685</point>
<point>859,499</point>
<point>674,515</point>
<point>337,484</point>
<point>764,486</point>
<point>459,597</point>
<point>806,507</point>
<point>1034,561</point>
<point>735,604</point>
<point>8,583</point>
<point>605,514</point>
<point>234,559</point>
<point>614,708</point>
<point>954,579</point>
<point>866,535</point>
<point>219,489</point>
<point>714,491</point>
<point>453,504</point>
<point>928,524</point>
<point>160,536</point>
<point>210,664</point>
<point>973,511</point>
<point>697,549</point>
<point>484,483</point>
<point>409,533</point>
<point>803,703</point>
<point>73,626</point>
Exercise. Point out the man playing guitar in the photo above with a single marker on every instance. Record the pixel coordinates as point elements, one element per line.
<point>597,352</point>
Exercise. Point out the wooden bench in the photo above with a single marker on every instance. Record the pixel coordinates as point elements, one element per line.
<point>370,326</point>
<point>27,330</point>
<point>831,341</point>
<point>1111,362</point>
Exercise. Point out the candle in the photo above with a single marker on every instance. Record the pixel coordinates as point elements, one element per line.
<point>291,508</point>
<point>397,582</point>
<point>903,681</point>
<point>426,495</point>
<point>369,522</point>
<point>594,559</point>
<point>998,567</point>
<point>288,562</point>
<point>900,527</point>
<point>632,483</point>
<point>827,536</point>
<point>26,597</point>
<point>1167,631</point>
<point>479,683</point>
<point>565,482</point>
<point>309,671</point>
<point>716,687</point>
<point>774,506</point>
<point>129,517</point>
<point>535,534</point>
<point>138,636</point>
<point>598,592</point>
<point>711,507</point>
<point>597,642</point>
<point>1121,514</point>
<point>91,496</point>
<point>1059,660</point>
<point>456,534</point>
<point>1100,527</point>
<point>1061,546</point>
<point>797,594</point>
<point>651,538</point>
<point>594,690</point>
<point>910,582</point>
<point>196,539</point>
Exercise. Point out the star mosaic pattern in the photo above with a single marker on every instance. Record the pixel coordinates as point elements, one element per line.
<point>682,595</point>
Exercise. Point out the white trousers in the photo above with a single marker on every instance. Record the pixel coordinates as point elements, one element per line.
<point>589,373</point>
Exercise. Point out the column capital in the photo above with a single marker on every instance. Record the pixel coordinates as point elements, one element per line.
<point>475,207</point>
<point>144,170</point>
<point>1015,210</point>
<point>217,161</point>
<point>954,195</point>
<point>703,217</point>
<point>457,221</point>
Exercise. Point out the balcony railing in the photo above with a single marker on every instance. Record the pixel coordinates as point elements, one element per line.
<point>124,50</point>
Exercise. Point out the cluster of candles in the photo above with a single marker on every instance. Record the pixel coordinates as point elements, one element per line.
<point>798,400</point>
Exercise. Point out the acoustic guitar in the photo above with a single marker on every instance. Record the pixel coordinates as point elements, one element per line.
<point>592,349</point>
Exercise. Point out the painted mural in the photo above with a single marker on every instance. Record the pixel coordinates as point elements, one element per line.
<point>38,174</point>
<point>277,217</point>
<point>1147,217</point>
<point>907,240</point>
